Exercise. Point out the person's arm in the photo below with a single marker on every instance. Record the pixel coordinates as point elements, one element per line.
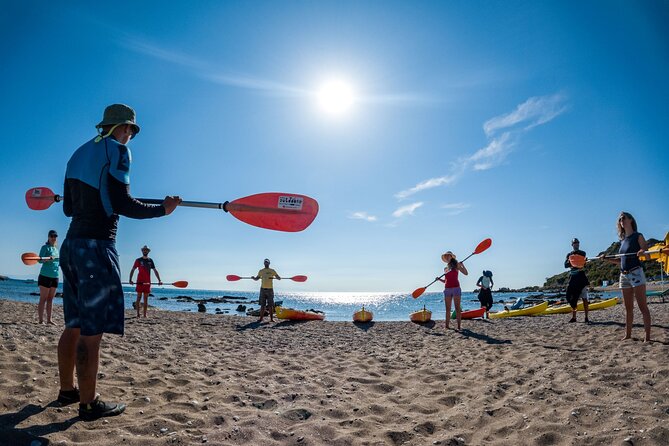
<point>160,282</point>
<point>567,264</point>
<point>463,269</point>
<point>132,271</point>
<point>67,201</point>
<point>124,204</point>
<point>276,275</point>
<point>478,282</point>
<point>42,253</point>
<point>440,279</point>
<point>491,283</point>
<point>643,245</point>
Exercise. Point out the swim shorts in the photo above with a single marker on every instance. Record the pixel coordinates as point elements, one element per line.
<point>452,292</point>
<point>143,288</point>
<point>92,292</point>
<point>266,296</point>
<point>47,282</point>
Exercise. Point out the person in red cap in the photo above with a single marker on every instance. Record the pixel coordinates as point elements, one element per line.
<point>144,265</point>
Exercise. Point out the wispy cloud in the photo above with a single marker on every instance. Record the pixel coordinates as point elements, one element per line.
<point>456,208</point>
<point>407,210</point>
<point>362,216</point>
<point>533,112</point>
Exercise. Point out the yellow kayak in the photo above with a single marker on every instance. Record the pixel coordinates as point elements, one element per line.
<point>363,315</point>
<point>421,316</point>
<point>594,306</point>
<point>529,311</point>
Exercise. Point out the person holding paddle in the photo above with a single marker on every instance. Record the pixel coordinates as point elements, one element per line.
<point>266,299</point>
<point>144,265</point>
<point>577,288</point>
<point>452,289</point>
<point>97,191</point>
<point>48,277</point>
<point>632,277</point>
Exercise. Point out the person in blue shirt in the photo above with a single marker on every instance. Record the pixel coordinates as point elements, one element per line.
<point>632,280</point>
<point>96,193</point>
<point>48,277</point>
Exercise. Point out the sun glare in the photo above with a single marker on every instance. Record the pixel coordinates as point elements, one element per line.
<point>335,97</point>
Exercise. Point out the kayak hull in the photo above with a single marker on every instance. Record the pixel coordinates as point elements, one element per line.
<point>298,315</point>
<point>470,314</point>
<point>594,306</point>
<point>421,316</point>
<point>530,311</point>
<point>363,316</point>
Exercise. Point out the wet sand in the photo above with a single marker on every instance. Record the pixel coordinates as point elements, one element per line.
<point>225,380</point>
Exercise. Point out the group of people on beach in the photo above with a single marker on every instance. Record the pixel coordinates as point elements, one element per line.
<point>632,280</point>
<point>97,192</point>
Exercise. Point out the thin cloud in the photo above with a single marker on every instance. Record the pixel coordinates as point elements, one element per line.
<point>362,216</point>
<point>533,112</point>
<point>456,208</point>
<point>407,210</point>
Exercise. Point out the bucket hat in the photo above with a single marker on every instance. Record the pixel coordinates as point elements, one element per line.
<point>119,114</point>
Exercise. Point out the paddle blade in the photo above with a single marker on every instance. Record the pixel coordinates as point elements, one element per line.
<point>276,211</point>
<point>485,244</point>
<point>299,278</point>
<point>29,258</point>
<point>418,292</point>
<point>40,198</point>
<point>232,278</point>
<point>180,284</point>
<point>577,261</point>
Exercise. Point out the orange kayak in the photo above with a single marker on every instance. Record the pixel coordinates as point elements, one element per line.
<point>363,315</point>
<point>421,316</point>
<point>470,314</point>
<point>298,315</point>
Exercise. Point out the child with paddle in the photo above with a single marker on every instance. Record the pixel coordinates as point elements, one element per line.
<point>632,277</point>
<point>97,191</point>
<point>266,299</point>
<point>452,291</point>
<point>144,265</point>
<point>577,288</point>
<point>48,277</point>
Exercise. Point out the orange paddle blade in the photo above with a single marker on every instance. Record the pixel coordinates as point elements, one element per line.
<point>485,244</point>
<point>232,278</point>
<point>418,292</point>
<point>577,261</point>
<point>276,211</point>
<point>29,258</point>
<point>180,284</point>
<point>299,278</point>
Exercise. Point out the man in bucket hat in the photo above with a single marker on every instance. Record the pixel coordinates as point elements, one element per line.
<point>97,191</point>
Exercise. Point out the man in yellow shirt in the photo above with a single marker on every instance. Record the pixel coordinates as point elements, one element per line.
<point>267,275</point>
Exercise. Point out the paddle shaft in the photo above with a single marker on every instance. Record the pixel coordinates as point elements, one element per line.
<point>227,206</point>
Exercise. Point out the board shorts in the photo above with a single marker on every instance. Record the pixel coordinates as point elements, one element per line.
<point>577,288</point>
<point>92,291</point>
<point>635,277</point>
<point>143,288</point>
<point>452,292</point>
<point>485,297</point>
<point>266,297</point>
<point>47,282</point>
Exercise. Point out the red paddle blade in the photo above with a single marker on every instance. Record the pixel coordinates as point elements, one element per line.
<point>299,278</point>
<point>485,244</point>
<point>29,258</point>
<point>577,261</point>
<point>418,292</point>
<point>40,198</point>
<point>232,278</point>
<point>275,210</point>
<point>180,284</point>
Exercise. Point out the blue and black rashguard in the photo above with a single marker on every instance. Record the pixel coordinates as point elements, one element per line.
<point>97,191</point>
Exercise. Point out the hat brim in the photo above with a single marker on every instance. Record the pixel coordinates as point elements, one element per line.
<point>104,123</point>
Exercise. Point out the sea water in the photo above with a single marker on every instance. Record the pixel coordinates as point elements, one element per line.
<point>338,306</point>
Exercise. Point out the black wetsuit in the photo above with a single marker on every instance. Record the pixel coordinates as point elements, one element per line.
<point>577,280</point>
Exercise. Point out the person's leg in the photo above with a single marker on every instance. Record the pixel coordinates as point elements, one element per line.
<point>628,300</point>
<point>43,294</point>
<point>640,295</point>
<point>67,353</point>
<point>137,303</point>
<point>458,310</point>
<point>586,304</point>
<point>262,302</point>
<point>448,300</point>
<point>270,305</point>
<point>146,303</point>
<point>49,305</point>
<point>88,357</point>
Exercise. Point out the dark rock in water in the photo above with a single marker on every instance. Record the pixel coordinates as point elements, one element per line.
<point>59,294</point>
<point>241,308</point>
<point>163,298</point>
<point>201,308</point>
<point>34,294</point>
<point>151,295</point>
<point>218,310</point>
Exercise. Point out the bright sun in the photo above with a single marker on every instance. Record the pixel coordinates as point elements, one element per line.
<point>335,97</point>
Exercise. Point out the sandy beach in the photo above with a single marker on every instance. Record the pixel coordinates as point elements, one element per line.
<point>197,378</point>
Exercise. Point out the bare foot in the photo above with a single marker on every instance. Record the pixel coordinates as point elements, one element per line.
<point>51,322</point>
<point>626,338</point>
<point>647,340</point>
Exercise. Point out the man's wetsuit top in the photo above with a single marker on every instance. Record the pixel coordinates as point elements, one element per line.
<point>144,267</point>
<point>97,191</point>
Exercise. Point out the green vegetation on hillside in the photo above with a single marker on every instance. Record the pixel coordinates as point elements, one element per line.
<point>599,270</point>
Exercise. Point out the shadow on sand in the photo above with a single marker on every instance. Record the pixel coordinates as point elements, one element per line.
<point>30,435</point>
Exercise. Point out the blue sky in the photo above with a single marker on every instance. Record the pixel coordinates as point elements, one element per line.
<point>527,122</point>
